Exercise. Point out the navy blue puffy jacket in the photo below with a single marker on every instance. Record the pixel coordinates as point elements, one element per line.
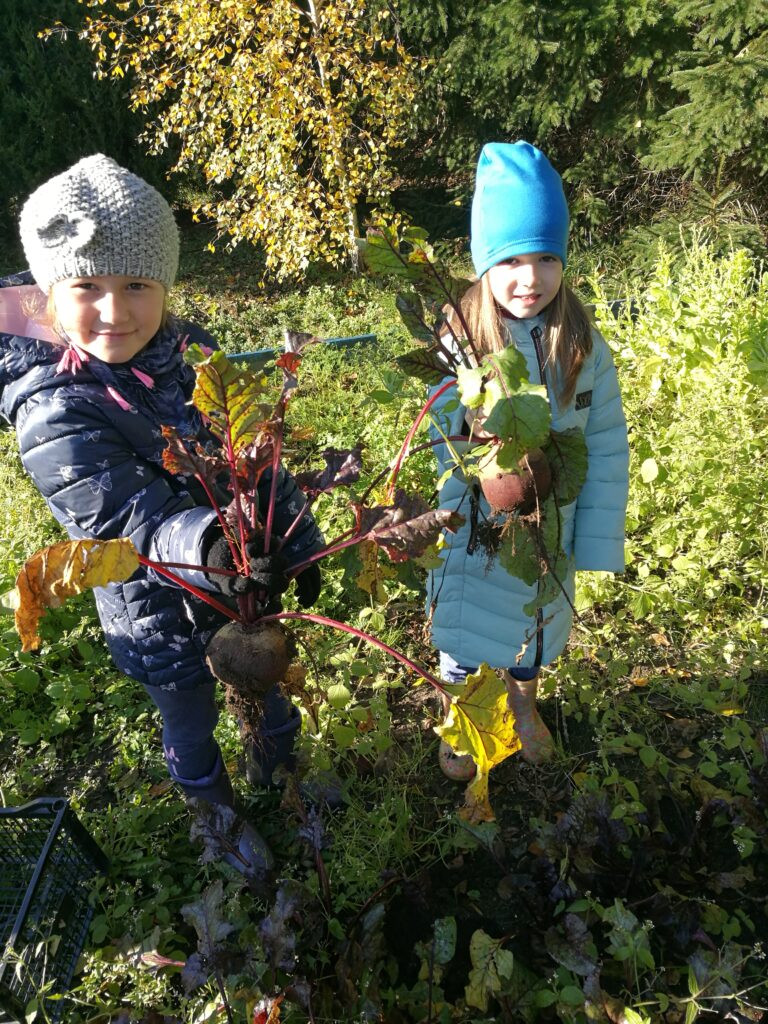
<point>92,443</point>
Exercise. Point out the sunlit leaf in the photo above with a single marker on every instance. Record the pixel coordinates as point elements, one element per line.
<point>373,573</point>
<point>407,528</point>
<point>186,458</point>
<point>296,341</point>
<point>289,363</point>
<point>521,421</point>
<point>232,398</point>
<point>649,470</point>
<point>510,371</point>
<point>267,1010</point>
<point>471,385</point>
<point>480,724</point>
<point>491,965</point>
<point>62,570</point>
<point>410,259</point>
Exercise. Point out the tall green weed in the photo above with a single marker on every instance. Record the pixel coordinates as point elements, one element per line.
<point>694,378</point>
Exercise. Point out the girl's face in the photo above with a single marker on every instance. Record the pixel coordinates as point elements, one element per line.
<point>524,285</point>
<point>111,316</point>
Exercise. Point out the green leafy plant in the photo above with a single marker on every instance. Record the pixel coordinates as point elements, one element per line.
<point>526,469</point>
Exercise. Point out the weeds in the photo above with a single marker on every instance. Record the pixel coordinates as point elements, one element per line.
<point>625,882</point>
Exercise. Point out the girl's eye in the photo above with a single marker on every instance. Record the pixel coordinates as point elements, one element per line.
<point>136,286</point>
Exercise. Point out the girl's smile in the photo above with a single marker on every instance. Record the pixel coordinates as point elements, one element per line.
<point>524,285</point>
<point>111,316</point>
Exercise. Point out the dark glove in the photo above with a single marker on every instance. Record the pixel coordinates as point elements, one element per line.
<point>268,573</point>
<point>219,556</point>
<point>308,584</point>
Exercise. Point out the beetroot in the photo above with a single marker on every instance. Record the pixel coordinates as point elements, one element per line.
<point>251,658</point>
<point>518,492</point>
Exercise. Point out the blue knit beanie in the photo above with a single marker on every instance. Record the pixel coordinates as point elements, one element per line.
<point>518,206</point>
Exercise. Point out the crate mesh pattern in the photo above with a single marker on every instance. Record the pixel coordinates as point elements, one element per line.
<point>47,860</point>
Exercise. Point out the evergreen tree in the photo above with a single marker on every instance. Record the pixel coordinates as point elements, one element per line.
<point>617,93</point>
<point>53,110</point>
<point>719,122</point>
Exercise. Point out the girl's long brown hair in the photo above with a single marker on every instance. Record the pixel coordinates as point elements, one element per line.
<point>567,338</point>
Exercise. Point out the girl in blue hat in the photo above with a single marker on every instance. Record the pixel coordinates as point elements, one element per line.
<point>519,249</point>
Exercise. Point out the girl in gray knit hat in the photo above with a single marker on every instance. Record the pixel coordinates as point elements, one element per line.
<point>89,407</point>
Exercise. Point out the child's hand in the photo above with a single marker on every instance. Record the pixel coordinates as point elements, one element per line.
<point>219,556</point>
<point>268,572</point>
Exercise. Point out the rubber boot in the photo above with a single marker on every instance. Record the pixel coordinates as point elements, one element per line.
<point>253,856</point>
<point>274,746</point>
<point>537,745</point>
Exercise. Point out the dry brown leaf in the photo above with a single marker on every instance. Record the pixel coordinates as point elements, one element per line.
<point>62,570</point>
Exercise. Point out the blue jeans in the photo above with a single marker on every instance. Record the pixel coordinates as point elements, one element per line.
<point>189,718</point>
<point>452,672</point>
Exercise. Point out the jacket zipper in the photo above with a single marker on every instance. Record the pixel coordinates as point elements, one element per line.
<point>536,336</point>
<point>474,510</point>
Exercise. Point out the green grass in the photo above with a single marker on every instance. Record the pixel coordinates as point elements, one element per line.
<point>626,880</point>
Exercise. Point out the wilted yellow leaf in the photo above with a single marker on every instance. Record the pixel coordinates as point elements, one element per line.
<point>61,570</point>
<point>373,572</point>
<point>480,724</point>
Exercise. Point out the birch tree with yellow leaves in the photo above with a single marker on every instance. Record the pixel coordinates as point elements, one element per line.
<point>289,109</point>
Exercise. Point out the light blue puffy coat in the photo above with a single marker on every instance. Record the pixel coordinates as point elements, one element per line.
<point>477,613</point>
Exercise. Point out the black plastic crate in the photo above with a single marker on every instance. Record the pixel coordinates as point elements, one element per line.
<point>46,861</point>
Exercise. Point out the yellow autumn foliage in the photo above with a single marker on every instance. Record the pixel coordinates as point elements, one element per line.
<point>480,724</point>
<point>373,573</point>
<point>62,570</point>
<point>289,110</point>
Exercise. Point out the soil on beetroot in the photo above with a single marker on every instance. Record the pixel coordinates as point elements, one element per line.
<point>522,491</point>
<point>251,658</point>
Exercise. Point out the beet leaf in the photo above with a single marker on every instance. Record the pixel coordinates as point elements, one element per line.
<point>480,724</point>
<point>342,468</point>
<point>410,306</point>
<point>566,453</point>
<point>185,458</point>
<point>231,398</point>
<point>426,364</point>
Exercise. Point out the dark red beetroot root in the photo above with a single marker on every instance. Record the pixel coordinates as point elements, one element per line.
<point>251,658</point>
<point>517,492</point>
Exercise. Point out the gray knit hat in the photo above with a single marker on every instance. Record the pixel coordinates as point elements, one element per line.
<point>97,218</point>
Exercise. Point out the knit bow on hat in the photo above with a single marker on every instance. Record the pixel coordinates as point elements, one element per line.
<point>98,218</point>
<point>74,229</point>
